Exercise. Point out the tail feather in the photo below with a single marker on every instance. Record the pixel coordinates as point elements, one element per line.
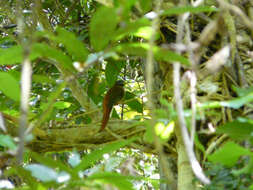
<point>105,119</point>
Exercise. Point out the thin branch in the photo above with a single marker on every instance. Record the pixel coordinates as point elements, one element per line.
<point>196,168</point>
<point>25,81</point>
<point>193,83</point>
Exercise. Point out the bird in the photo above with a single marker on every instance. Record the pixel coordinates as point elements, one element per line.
<point>113,96</point>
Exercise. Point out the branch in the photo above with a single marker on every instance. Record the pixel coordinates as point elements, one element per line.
<point>196,168</point>
<point>26,81</point>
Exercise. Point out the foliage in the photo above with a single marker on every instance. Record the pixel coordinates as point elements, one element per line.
<point>79,49</point>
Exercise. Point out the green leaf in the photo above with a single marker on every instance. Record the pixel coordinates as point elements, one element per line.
<point>42,79</point>
<point>122,182</point>
<point>235,103</point>
<point>238,102</point>
<point>12,55</point>
<point>53,163</point>
<point>9,86</point>
<point>45,51</point>
<point>74,159</point>
<point>112,71</point>
<point>74,46</point>
<point>42,173</point>
<point>133,103</point>
<point>190,9</point>
<point>228,154</point>
<point>62,105</point>
<point>102,25</point>
<point>131,28</point>
<point>140,49</point>
<point>146,5</point>
<point>7,141</point>
<point>97,155</point>
<point>242,91</point>
<point>237,130</point>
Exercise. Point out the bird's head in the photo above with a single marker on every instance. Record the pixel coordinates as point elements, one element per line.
<point>119,83</point>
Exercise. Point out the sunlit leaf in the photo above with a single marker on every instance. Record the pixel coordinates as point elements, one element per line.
<point>42,173</point>
<point>62,105</point>
<point>9,86</point>
<point>74,159</point>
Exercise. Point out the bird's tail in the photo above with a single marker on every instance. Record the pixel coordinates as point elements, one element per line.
<point>105,119</point>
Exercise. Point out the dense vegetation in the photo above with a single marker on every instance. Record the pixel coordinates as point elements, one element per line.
<point>185,121</point>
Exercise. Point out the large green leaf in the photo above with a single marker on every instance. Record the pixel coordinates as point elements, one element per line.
<point>191,9</point>
<point>102,25</point>
<point>12,55</point>
<point>74,46</point>
<point>121,182</point>
<point>237,130</point>
<point>228,154</point>
<point>9,86</point>
<point>45,51</point>
<point>97,155</point>
<point>140,49</point>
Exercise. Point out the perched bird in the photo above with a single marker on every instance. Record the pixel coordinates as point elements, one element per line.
<point>112,97</point>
